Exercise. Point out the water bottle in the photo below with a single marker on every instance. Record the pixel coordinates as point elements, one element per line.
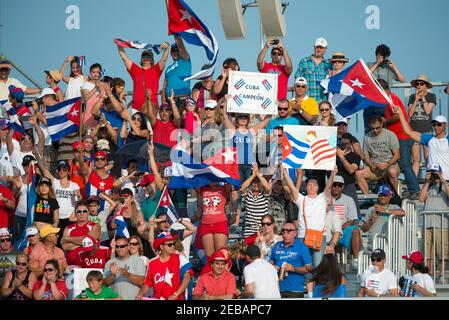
<point>83,294</point>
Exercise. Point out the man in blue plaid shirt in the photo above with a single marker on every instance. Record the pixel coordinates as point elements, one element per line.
<point>315,68</point>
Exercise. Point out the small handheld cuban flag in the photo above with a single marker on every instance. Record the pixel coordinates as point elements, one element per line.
<point>137,45</point>
<point>81,60</point>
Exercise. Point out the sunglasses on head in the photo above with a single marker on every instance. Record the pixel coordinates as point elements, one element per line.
<point>338,185</point>
<point>121,247</point>
<point>287,230</point>
<point>5,240</point>
<point>21,263</point>
<point>99,159</point>
<point>81,211</point>
<point>436,124</point>
<point>300,86</point>
<point>49,269</point>
<point>267,224</point>
<point>171,244</point>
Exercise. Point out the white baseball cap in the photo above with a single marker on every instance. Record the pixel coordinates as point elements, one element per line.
<point>4,232</point>
<point>321,42</point>
<point>440,119</point>
<point>31,231</point>
<point>301,80</point>
<point>210,104</point>
<point>46,91</point>
<point>339,179</point>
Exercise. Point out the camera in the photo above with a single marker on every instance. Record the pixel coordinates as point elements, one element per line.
<point>275,41</point>
<point>29,104</point>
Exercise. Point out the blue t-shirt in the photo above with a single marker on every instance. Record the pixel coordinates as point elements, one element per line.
<point>244,143</point>
<point>297,255</point>
<point>339,293</point>
<point>175,73</point>
<point>113,118</point>
<point>280,122</point>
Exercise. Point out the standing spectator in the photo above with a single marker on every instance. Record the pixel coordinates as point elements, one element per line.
<point>422,283</point>
<point>5,241</point>
<point>384,68</point>
<point>46,250</point>
<point>376,220</point>
<point>46,208</point>
<point>314,69</point>
<point>191,117</point>
<point>377,280</point>
<point>52,286</point>
<point>98,216</point>
<point>283,117</point>
<point>93,255</point>
<point>91,93</point>
<point>220,88</point>
<point>326,117</point>
<point>292,259</point>
<point>275,66</point>
<point>74,234</point>
<point>76,79</point>
<point>202,91</point>
<point>169,273</point>
<point>145,77</point>
<point>209,132</point>
<point>18,283</point>
<point>327,279</point>
<point>394,125</point>
<point>420,107</point>
<point>139,130</point>
<point>302,107</point>
<point>124,273</point>
<point>381,155</point>
<point>96,289</point>
<point>338,61</point>
<point>52,79</point>
<point>267,237</point>
<point>217,284</point>
<point>6,81</point>
<point>176,72</point>
<point>261,278</point>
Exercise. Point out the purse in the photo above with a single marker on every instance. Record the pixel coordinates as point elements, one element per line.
<point>314,238</point>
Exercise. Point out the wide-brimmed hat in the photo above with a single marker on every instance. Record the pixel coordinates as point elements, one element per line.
<point>339,56</point>
<point>423,78</point>
<point>162,238</point>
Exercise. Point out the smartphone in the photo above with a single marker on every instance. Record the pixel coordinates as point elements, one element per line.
<point>275,41</point>
<point>24,118</point>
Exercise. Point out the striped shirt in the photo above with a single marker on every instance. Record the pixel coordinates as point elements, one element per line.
<point>256,207</point>
<point>313,73</point>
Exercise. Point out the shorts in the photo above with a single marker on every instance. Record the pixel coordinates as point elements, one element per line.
<point>417,143</point>
<point>213,228</point>
<point>378,174</point>
<point>438,242</point>
<point>345,239</point>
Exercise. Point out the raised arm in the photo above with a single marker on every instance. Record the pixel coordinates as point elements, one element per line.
<point>219,83</point>
<point>149,108</point>
<point>127,61</point>
<point>62,69</point>
<point>262,53</point>
<point>40,134</point>
<point>228,123</point>
<point>182,48</point>
<point>286,177</point>
<point>42,167</point>
<point>287,59</point>
<point>157,177</point>
<point>415,135</point>
<point>175,110</point>
<point>330,182</point>
<point>164,57</point>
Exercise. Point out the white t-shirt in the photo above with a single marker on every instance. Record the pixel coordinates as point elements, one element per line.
<point>265,279</point>
<point>333,225</point>
<point>6,163</point>
<point>21,209</point>
<point>17,158</point>
<point>315,211</point>
<point>66,198</point>
<point>380,282</point>
<point>425,281</point>
<point>438,152</point>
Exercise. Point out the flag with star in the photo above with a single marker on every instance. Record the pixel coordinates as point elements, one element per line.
<point>63,118</point>
<point>355,89</point>
<point>221,167</point>
<point>166,202</point>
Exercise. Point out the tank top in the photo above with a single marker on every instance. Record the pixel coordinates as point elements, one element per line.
<point>17,294</point>
<point>244,143</point>
<point>21,209</point>
<point>74,87</point>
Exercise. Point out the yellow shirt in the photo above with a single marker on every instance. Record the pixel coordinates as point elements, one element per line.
<point>308,104</point>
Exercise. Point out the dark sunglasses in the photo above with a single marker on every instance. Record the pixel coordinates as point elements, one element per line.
<point>267,224</point>
<point>420,84</point>
<point>338,185</point>
<point>323,110</point>
<point>133,243</point>
<point>436,124</point>
<point>277,54</point>
<point>283,109</point>
<point>164,110</point>
<point>210,109</point>
<point>32,235</point>
<point>302,87</point>
<point>5,240</point>
<point>280,135</point>
<point>49,269</point>
<point>4,69</point>
<point>376,260</point>
<point>137,118</point>
<point>121,247</point>
<point>81,211</point>
<point>21,263</point>
<point>171,244</point>
<point>287,230</point>
<point>99,159</point>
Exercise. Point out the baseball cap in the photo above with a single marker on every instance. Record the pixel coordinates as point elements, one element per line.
<point>16,93</point>
<point>212,104</point>
<point>434,167</point>
<point>378,254</point>
<point>103,144</point>
<point>385,190</point>
<point>189,102</point>
<point>31,231</point>
<point>321,42</point>
<point>4,232</point>
<point>162,238</point>
<point>100,154</point>
<point>88,244</point>
<point>3,124</point>
<point>48,229</point>
<point>219,256</point>
<point>415,257</point>
<point>27,159</point>
<point>339,179</point>
<point>54,74</point>
<point>440,119</point>
<point>77,144</point>
<point>165,106</point>
<point>146,179</point>
<point>93,199</point>
<point>46,91</point>
<point>301,80</point>
<point>253,252</point>
<point>63,164</point>
<point>44,180</point>
<point>127,191</point>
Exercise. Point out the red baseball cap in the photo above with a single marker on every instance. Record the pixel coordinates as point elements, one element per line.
<point>219,256</point>
<point>100,154</point>
<point>76,145</point>
<point>146,180</point>
<point>415,257</point>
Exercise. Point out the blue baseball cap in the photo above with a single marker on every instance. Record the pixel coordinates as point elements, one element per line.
<point>385,190</point>
<point>16,93</point>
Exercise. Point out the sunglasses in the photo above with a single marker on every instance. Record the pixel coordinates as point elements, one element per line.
<point>209,109</point>
<point>171,244</point>
<point>436,124</point>
<point>121,247</point>
<point>32,235</point>
<point>21,263</point>
<point>420,84</point>
<point>164,110</point>
<point>81,211</point>
<point>283,109</point>
<point>49,269</point>
<point>277,54</point>
<point>4,69</point>
<point>133,243</point>
<point>100,159</point>
<point>287,230</point>
<point>302,87</point>
<point>138,119</point>
<point>280,135</point>
<point>267,224</point>
<point>5,240</point>
<point>376,260</point>
<point>162,221</point>
<point>338,185</point>
<point>324,110</point>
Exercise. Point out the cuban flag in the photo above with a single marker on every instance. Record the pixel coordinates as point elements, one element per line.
<point>22,242</point>
<point>122,227</point>
<point>63,118</point>
<point>13,122</point>
<point>221,167</point>
<point>294,151</point>
<point>267,85</point>
<point>239,84</point>
<point>238,100</point>
<point>166,202</point>
<point>355,89</point>
<point>137,45</point>
<point>81,60</point>
<point>266,103</point>
<point>184,22</point>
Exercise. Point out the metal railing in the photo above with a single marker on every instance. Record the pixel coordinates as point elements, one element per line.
<point>411,232</point>
<point>442,219</point>
<point>396,235</point>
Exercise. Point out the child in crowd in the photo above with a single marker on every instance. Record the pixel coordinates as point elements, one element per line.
<point>96,290</point>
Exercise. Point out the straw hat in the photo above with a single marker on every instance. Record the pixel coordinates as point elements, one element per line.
<point>339,56</point>
<point>423,78</point>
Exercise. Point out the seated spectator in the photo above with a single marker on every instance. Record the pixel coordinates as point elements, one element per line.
<point>381,147</point>
<point>342,129</point>
<point>220,88</point>
<point>217,284</point>
<point>267,237</point>
<point>384,68</point>
<point>283,117</point>
<point>376,220</point>
<point>422,283</point>
<point>302,107</point>
<point>52,286</point>
<point>96,289</point>
<point>327,279</point>
<point>261,278</point>
<point>7,204</point>
<point>5,242</point>
<point>18,283</point>
<point>92,254</point>
<point>46,208</point>
<point>136,248</point>
<point>32,235</point>
<point>138,124</point>
<point>377,280</point>
<point>76,79</point>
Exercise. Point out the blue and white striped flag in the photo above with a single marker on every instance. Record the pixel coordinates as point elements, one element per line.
<point>63,118</point>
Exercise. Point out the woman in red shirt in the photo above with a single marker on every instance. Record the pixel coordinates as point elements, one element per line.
<point>51,287</point>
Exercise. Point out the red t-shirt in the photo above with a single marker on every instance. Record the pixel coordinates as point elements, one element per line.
<point>142,80</point>
<point>162,133</point>
<point>214,202</point>
<point>6,215</point>
<point>97,260</point>
<point>75,230</point>
<point>396,127</point>
<point>60,284</point>
<point>282,77</point>
<point>225,284</point>
<point>165,277</point>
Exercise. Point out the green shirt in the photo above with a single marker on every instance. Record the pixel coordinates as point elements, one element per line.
<point>105,293</point>
<point>148,206</point>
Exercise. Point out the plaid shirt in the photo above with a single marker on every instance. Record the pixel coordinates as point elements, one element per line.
<point>313,74</point>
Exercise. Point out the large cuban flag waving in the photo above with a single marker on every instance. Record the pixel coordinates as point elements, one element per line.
<point>63,118</point>
<point>355,89</point>
<point>184,22</point>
